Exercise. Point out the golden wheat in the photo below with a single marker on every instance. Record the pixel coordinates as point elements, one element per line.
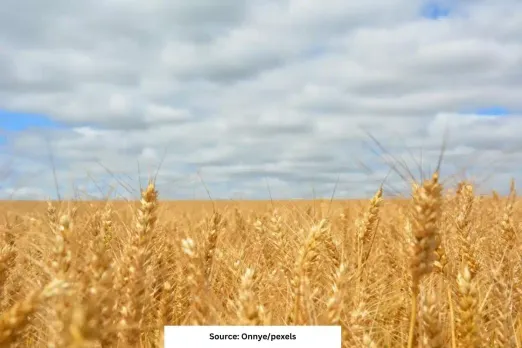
<point>109,274</point>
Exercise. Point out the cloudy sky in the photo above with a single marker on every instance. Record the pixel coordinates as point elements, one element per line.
<point>252,97</point>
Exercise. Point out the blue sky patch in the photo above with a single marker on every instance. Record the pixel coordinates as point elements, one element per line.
<point>434,11</point>
<point>11,121</point>
<point>493,111</point>
<point>16,121</point>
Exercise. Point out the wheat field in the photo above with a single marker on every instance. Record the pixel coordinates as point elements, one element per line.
<point>440,269</point>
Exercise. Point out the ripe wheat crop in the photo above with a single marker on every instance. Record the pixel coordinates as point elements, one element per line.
<point>442,269</point>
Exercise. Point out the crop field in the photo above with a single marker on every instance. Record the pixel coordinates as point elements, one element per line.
<point>440,269</point>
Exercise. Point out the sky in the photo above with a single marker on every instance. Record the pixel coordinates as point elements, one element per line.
<point>286,98</point>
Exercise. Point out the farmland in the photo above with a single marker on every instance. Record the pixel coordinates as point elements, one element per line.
<point>440,269</point>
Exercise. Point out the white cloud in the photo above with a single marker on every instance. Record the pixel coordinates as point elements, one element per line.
<point>248,91</point>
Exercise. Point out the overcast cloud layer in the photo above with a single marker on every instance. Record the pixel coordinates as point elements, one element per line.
<point>259,94</point>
